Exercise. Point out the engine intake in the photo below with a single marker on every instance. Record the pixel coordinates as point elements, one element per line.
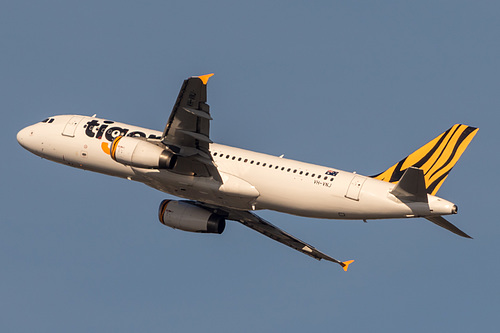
<point>140,153</point>
<point>185,216</point>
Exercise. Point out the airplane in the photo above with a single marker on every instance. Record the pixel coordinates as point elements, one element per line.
<point>220,183</point>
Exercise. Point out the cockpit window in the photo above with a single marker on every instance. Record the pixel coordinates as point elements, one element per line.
<point>51,120</point>
<point>45,120</point>
<point>48,120</point>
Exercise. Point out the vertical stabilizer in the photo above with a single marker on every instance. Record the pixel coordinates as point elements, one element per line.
<point>436,158</point>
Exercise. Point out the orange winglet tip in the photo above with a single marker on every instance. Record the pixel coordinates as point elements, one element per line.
<point>345,264</point>
<point>204,78</point>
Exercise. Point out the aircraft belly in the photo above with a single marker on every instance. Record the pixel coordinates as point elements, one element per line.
<point>236,187</point>
<point>202,189</point>
<point>299,197</point>
<point>334,202</point>
<point>375,202</point>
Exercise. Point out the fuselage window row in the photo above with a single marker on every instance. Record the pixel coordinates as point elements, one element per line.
<point>270,166</point>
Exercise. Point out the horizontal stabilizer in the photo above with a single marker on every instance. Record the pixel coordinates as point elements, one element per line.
<point>411,186</point>
<point>442,222</point>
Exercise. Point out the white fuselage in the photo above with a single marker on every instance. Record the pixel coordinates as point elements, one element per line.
<point>251,180</point>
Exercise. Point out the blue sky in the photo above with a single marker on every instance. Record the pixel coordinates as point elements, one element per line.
<point>355,85</point>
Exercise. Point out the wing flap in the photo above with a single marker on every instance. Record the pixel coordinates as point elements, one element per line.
<point>198,113</point>
<point>197,136</point>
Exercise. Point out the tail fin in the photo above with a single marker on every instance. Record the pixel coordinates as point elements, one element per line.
<point>436,158</point>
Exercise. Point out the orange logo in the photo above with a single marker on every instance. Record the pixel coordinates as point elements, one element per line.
<point>105,147</point>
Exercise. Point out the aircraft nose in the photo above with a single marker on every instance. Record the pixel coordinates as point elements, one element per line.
<point>24,135</point>
<point>21,135</point>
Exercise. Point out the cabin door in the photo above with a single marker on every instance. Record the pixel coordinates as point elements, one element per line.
<point>355,187</point>
<point>70,128</point>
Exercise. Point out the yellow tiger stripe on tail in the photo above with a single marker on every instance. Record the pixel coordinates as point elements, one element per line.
<point>436,158</point>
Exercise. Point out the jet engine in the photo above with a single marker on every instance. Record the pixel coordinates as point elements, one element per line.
<point>188,217</point>
<point>140,153</point>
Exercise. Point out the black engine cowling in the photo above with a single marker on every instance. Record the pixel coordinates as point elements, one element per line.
<point>140,153</point>
<point>188,217</point>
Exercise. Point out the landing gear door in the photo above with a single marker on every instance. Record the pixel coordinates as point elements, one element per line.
<point>70,128</point>
<point>355,187</point>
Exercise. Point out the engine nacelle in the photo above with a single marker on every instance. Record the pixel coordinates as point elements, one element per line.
<point>185,216</point>
<point>140,153</point>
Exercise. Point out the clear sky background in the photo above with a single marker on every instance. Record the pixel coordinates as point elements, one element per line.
<point>355,85</point>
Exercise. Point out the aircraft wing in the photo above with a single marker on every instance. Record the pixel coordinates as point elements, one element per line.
<point>258,224</point>
<point>187,130</point>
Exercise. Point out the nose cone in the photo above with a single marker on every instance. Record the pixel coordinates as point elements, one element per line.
<point>21,136</point>
<point>25,138</point>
